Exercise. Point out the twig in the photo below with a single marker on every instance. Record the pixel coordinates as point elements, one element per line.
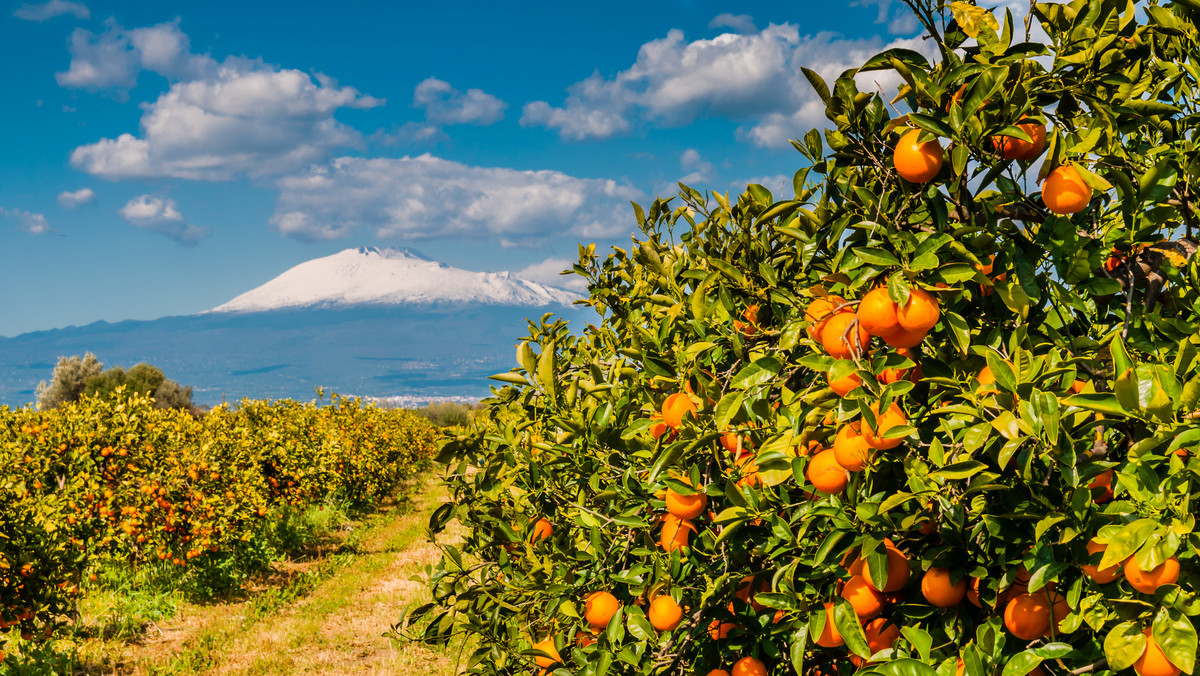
<point>1098,664</point>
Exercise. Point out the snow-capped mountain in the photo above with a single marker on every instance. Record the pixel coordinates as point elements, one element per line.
<point>368,322</point>
<point>391,277</point>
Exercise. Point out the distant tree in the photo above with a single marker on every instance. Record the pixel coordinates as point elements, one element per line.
<point>171,394</point>
<point>68,381</point>
<point>75,377</point>
<point>105,384</point>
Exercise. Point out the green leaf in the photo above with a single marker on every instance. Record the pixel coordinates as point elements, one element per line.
<point>1123,645</point>
<point>920,639</point>
<point>847,624</point>
<point>1126,388</point>
<point>513,378</point>
<point>1176,635</point>
<point>817,82</point>
<point>728,408</point>
<point>1120,357</point>
<point>799,647</point>
<point>1101,403</point>
<point>875,256</point>
<point>959,470</point>
<point>760,372</point>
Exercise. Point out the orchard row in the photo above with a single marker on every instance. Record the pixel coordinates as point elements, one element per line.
<point>117,480</point>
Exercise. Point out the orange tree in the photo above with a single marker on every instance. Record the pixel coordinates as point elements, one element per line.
<point>936,412</point>
<point>114,481</point>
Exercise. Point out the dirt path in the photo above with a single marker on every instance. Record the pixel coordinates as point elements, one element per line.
<point>331,620</point>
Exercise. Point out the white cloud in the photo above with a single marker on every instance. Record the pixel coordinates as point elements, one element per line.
<point>753,77</point>
<point>34,224</point>
<point>444,104</point>
<point>70,200</point>
<point>49,10</point>
<point>245,119</point>
<point>779,185</point>
<point>425,196</point>
<point>162,216</point>
<point>113,59</point>
<point>699,170</point>
<point>549,272</point>
<point>595,108</point>
<point>742,23</point>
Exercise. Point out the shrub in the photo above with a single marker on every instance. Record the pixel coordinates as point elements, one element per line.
<point>68,382</point>
<point>1023,417</point>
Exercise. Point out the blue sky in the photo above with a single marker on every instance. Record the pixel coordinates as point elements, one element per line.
<point>160,158</point>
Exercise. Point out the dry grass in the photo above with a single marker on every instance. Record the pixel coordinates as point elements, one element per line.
<point>336,628</point>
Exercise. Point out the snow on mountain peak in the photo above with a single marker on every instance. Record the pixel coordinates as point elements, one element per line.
<point>375,276</point>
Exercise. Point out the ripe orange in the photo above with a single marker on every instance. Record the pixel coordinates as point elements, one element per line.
<point>867,602</point>
<point>675,532</point>
<point>1148,581</point>
<point>843,338</point>
<point>735,443</point>
<point>893,375</point>
<point>1100,576</point>
<point>658,428</point>
<point>1065,192</point>
<point>665,614</point>
<point>1028,616</point>
<point>676,407</point>
<point>750,326</point>
<point>893,417</point>
<point>903,338</point>
<point>686,507</point>
<point>1153,661</point>
<point>825,474</point>
<point>920,313</point>
<point>1059,610</point>
<point>542,530</point>
<point>917,162</point>
<point>819,311</point>
<point>1103,484</point>
<point>881,634</point>
<point>719,630</point>
<point>850,448</point>
<point>897,570</point>
<point>717,672</point>
<point>877,313</point>
<point>973,592</point>
<point>748,666</point>
<point>547,646</point>
<point>830,637</point>
<point>938,589</point>
<point>599,608</point>
<point>1016,149</point>
<point>846,384</point>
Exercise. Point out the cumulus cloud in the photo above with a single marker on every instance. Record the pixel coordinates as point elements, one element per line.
<point>699,170</point>
<point>49,10</point>
<point>754,77</point>
<point>549,272</point>
<point>246,119</point>
<point>113,59</point>
<point>162,216</point>
<point>444,104</point>
<point>425,196</point>
<point>70,200</point>
<point>34,224</point>
<point>899,22</point>
<point>779,185</point>
<point>742,23</point>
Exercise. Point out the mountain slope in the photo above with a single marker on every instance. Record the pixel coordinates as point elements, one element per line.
<point>389,277</point>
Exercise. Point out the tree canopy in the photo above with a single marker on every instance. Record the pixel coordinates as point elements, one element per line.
<point>941,403</point>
